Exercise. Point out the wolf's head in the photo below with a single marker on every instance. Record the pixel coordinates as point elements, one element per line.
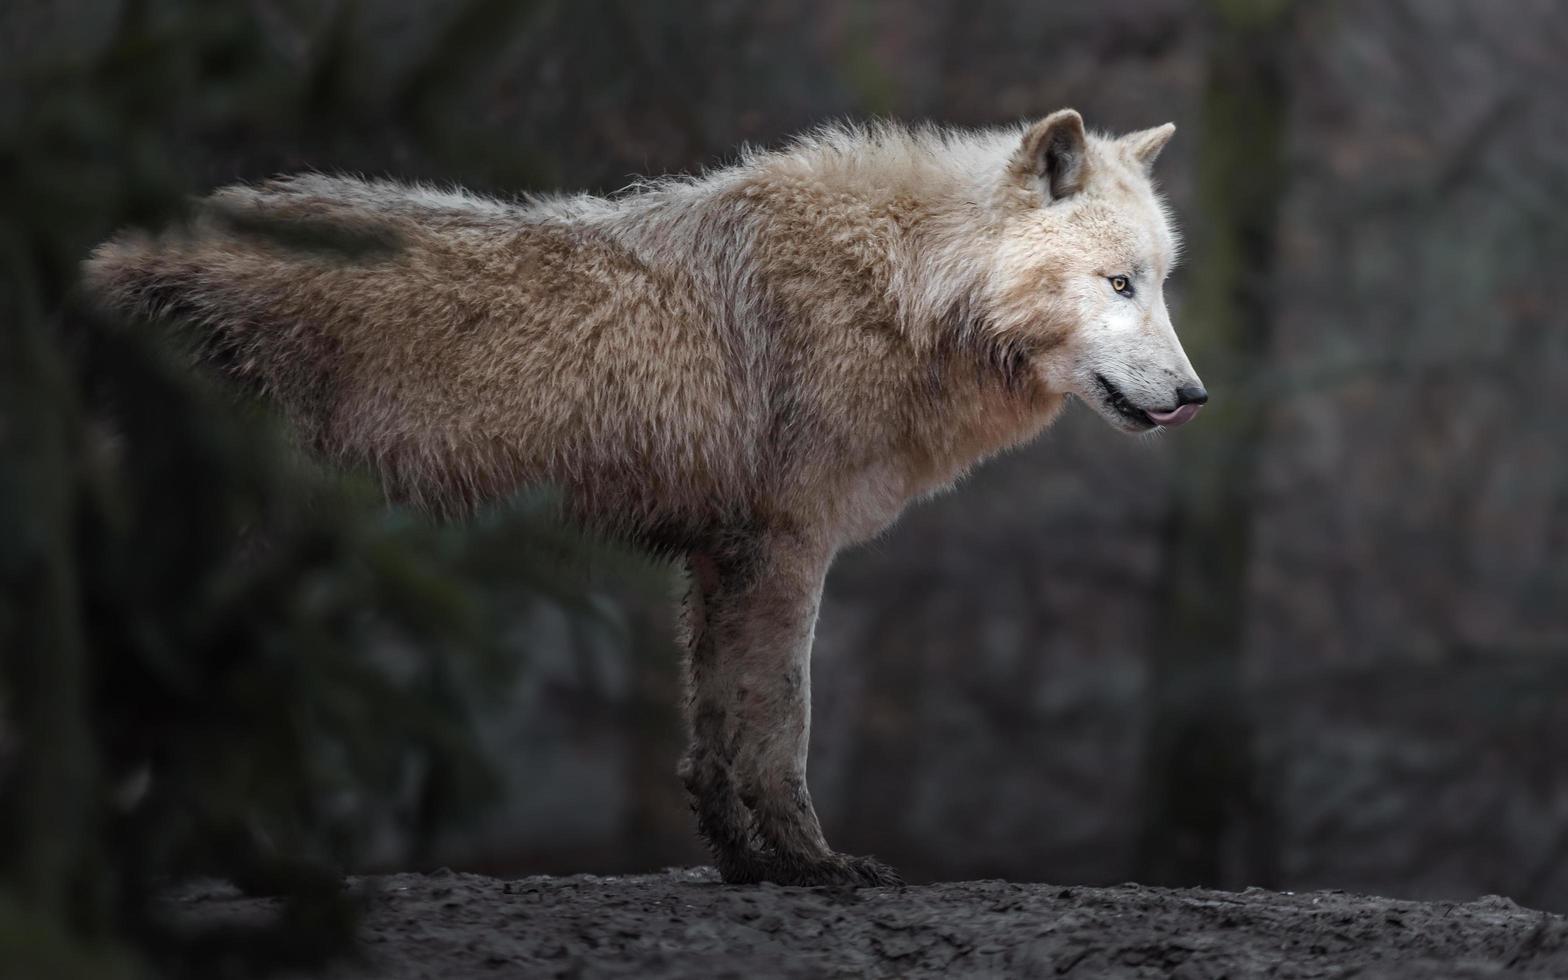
<point>1085,247</point>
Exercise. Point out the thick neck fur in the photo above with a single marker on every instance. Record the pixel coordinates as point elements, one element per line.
<point>931,203</point>
<point>931,194</point>
<point>843,243</point>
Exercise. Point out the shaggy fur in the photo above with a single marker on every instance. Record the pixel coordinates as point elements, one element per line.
<point>751,369</point>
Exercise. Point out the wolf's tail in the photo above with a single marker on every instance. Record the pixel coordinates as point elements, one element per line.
<point>338,298</point>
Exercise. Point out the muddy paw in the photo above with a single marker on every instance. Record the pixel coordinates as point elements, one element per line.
<point>871,873</point>
<point>838,870</point>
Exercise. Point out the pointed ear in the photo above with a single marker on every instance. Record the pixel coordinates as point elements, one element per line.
<point>1054,156</point>
<point>1145,145</point>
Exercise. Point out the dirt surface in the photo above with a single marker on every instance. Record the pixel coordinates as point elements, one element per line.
<point>685,924</point>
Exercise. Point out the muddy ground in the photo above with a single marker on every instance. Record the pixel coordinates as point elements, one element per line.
<point>685,924</point>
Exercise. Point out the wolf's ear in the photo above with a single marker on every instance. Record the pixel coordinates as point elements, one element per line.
<point>1054,155</point>
<point>1145,145</point>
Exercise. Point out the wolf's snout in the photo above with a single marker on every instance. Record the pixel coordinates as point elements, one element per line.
<point>1189,399</point>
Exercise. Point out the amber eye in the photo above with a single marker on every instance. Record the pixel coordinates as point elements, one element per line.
<point>1122,285</point>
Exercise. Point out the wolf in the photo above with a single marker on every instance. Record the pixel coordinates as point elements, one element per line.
<point>748,370</point>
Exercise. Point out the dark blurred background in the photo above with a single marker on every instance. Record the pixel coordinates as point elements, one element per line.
<point>1317,640</point>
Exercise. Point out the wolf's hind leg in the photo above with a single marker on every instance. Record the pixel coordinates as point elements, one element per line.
<point>750,619</point>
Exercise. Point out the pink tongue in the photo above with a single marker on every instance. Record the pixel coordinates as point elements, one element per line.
<point>1180,416</point>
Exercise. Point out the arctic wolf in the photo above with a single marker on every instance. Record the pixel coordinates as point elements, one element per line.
<point>749,370</point>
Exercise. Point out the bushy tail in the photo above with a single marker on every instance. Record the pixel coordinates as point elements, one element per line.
<point>339,298</point>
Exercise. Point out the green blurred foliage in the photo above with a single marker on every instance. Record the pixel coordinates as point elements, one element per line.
<point>215,657</point>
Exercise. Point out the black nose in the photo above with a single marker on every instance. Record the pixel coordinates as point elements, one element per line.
<point>1191,395</point>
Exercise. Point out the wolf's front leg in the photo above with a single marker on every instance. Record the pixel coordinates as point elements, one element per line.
<point>749,622</point>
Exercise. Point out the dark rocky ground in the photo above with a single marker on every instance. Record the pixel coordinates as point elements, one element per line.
<point>685,924</point>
